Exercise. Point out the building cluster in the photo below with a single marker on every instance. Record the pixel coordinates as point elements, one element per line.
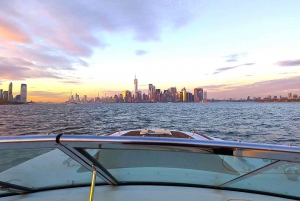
<point>153,95</point>
<point>7,96</point>
<point>289,98</point>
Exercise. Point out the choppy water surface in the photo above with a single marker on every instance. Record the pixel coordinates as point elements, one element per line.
<point>277,123</point>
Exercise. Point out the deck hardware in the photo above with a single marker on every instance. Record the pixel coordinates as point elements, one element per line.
<point>93,183</point>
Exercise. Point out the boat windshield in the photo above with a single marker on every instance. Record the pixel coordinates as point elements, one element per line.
<point>143,166</point>
<point>159,163</point>
<point>42,168</point>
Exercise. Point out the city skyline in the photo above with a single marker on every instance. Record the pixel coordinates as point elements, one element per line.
<point>152,94</point>
<point>233,49</point>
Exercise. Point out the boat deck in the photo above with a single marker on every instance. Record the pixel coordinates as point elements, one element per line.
<point>174,134</point>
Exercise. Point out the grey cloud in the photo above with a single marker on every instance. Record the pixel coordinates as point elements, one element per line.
<point>248,75</point>
<point>141,52</point>
<point>248,64</point>
<point>50,39</point>
<point>77,27</point>
<point>12,72</point>
<point>220,70</point>
<point>289,63</point>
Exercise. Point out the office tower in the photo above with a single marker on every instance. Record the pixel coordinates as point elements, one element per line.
<point>23,93</point>
<point>5,95</point>
<point>189,97</point>
<point>135,85</point>
<point>124,96</point>
<point>10,96</point>
<point>85,98</point>
<point>151,92</point>
<point>198,94</point>
<point>183,94</point>
<point>136,93</point>
<point>289,95</point>
<point>173,92</point>
<point>1,94</point>
<point>205,96</point>
<point>18,98</point>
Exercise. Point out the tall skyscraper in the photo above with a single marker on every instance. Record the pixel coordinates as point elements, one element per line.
<point>136,93</point>
<point>205,96</point>
<point>151,92</point>
<point>184,94</point>
<point>10,96</point>
<point>1,94</point>
<point>198,94</point>
<point>23,93</point>
<point>135,85</point>
<point>290,95</point>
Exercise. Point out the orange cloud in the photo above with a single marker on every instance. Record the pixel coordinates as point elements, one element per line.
<point>11,32</point>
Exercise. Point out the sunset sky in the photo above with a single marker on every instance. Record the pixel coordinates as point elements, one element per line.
<point>231,48</point>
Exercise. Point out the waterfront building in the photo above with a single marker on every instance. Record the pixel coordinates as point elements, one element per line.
<point>290,96</point>
<point>189,97</point>
<point>18,98</point>
<point>23,93</point>
<point>173,95</point>
<point>136,93</point>
<point>151,93</point>
<point>135,85</point>
<point>85,98</point>
<point>5,95</point>
<point>1,94</point>
<point>198,94</point>
<point>127,96</point>
<point>205,96</point>
<point>184,94</point>
<point>10,96</point>
<point>124,95</point>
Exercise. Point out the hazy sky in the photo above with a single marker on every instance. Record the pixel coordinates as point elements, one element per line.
<point>231,48</point>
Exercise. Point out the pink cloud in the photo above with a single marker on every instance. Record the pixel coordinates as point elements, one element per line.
<point>269,87</point>
<point>9,30</point>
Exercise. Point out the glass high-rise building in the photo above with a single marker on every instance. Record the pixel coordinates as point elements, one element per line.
<point>184,95</point>
<point>10,96</point>
<point>23,93</point>
<point>1,94</point>
<point>135,85</point>
<point>198,94</point>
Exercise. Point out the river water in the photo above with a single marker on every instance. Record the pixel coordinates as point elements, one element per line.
<point>275,123</point>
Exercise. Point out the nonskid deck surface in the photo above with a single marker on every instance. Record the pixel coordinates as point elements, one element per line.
<point>174,134</point>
